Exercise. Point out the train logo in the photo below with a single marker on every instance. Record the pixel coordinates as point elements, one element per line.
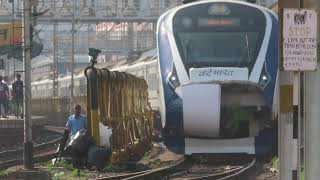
<point>300,18</point>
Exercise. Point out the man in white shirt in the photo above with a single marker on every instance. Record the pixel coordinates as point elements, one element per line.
<point>6,81</point>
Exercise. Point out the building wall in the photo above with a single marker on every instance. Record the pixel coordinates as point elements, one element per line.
<point>10,34</point>
<point>266,3</point>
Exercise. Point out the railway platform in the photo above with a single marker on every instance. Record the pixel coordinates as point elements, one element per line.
<point>11,128</point>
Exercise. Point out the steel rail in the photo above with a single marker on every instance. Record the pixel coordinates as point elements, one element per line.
<point>147,174</point>
<point>229,175</point>
<point>160,173</point>
<point>42,153</point>
<point>240,173</point>
<point>6,155</point>
<point>123,176</point>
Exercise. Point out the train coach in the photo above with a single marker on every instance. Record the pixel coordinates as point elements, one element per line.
<point>45,103</point>
<point>218,62</point>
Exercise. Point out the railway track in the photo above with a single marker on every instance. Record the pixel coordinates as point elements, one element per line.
<point>42,152</point>
<point>186,169</point>
<point>56,129</point>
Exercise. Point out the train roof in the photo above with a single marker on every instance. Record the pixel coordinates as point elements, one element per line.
<point>148,57</point>
<point>230,1</point>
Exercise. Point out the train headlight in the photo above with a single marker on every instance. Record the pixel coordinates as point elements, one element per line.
<point>264,80</point>
<point>173,79</point>
<point>265,77</point>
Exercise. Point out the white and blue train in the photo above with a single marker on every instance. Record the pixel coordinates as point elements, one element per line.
<point>218,65</point>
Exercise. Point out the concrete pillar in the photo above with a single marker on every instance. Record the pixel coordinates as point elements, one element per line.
<point>312,112</point>
<point>287,144</point>
<point>286,126</point>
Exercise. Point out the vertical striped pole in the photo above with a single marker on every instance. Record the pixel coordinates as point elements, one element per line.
<point>288,119</point>
<point>93,121</point>
<point>296,118</point>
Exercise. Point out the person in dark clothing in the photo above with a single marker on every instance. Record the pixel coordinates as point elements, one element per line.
<point>4,95</point>
<point>17,96</point>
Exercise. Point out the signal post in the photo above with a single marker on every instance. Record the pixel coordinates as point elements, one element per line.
<point>286,141</point>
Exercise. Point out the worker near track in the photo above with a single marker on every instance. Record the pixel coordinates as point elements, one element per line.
<point>4,96</point>
<point>17,96</point>
<point>76,122</point>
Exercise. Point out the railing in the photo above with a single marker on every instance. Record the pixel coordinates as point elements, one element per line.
<point>91,12</point>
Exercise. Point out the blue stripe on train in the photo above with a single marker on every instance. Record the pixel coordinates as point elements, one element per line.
<point>263,143</point>
<point>272,62</point>
<point>173,103</point>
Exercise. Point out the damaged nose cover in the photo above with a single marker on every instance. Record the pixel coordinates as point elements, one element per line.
<point>201,109</point>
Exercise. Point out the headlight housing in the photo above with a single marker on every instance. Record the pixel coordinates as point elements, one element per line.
<point>265,76</point>
<point>173,79</point>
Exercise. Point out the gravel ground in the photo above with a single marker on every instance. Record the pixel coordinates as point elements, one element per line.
<point>265,171</point>
<point>157,157</point>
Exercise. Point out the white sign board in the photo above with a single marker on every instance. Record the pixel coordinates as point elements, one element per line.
<point>218,74</point>
<point>299,40</point>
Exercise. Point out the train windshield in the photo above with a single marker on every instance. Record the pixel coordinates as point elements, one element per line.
<point>230,38</point>
<point>218,48</point>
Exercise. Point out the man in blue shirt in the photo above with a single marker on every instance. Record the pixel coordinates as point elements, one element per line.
<point>76,122</point>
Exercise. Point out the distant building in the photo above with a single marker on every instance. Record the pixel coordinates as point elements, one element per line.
<point>266,3</point>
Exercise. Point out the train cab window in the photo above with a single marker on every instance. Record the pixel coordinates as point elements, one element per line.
<point>219,49</point>
<point>216,38</point>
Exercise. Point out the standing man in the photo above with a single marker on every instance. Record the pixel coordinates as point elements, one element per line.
<point>4,95</point>
<point>76,122</point>
<point>17,96</point>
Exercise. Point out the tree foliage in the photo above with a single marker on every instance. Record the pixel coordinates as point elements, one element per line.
<point>15,51</point>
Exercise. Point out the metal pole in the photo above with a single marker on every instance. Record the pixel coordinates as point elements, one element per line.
<point>54,60</point>
<point>301,3</point>
<point>6,71</point>
<point>288,108</point>
<point>296,122</point>
<point>28,145</point>
<point>14,60</point>
<point>72,58</point>
<point>312,113</point>
<point>285,126</point>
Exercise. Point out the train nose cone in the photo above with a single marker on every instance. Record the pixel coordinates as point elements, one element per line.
<point>201,109</point>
